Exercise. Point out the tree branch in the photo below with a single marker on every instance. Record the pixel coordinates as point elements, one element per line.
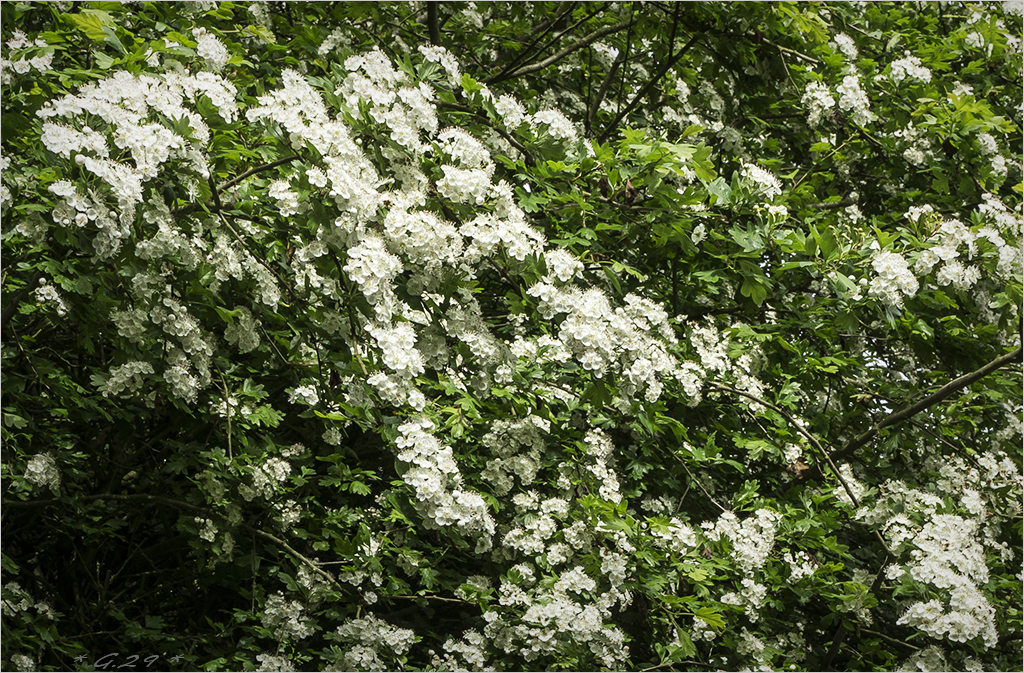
<point>433,25</point>
<point>936,397</point>
<point>264,167</point>
<point>542,33</point>
<point>145,497</point>
<point>647,87</point>
<point>799,428</point>
<point>603,91</point>
<point>830,205</point>
<point>559,55</point>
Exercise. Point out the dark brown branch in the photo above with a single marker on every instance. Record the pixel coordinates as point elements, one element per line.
<point>264,167</point>
<point>647,87</point>
<point>559,55</point>
<point>433,25</point>
<point>215,194</point>
<point>942,393</point>
<point>603,91</point>
<point>542,32</point>
<point>829,205</point>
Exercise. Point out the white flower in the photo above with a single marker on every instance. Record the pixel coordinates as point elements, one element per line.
<point>894,279</point>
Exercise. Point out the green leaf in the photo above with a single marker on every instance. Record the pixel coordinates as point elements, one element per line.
<point>91,22</point>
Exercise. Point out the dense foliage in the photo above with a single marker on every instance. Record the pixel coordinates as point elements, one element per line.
<point>550,336</point>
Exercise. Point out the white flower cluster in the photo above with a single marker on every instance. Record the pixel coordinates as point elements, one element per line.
<point>894,278</point>
<point>79,210</point>
<point>749,644</point>
<point>47,294</point>
<point>437,54</point>
<point>855,486</point>
<point>285,618</point>
<point>766,183</point>
<point>557,124</point>
<point>422,237</point>
<point>752,539</point>
<point>397,344</point>
<point>435,477</point>
<point>372,267</point>
<point>947,552</point>
<point>42,471</point>
<point>232,261</point>
<point>930,658</point>
<point>540,526</point>
<point>751,597</point>
<point>133,109</point>
<point>287,200</point>
<point>844,43</point>
<point>406,110</point>
<point>23,662</point>
<point>19,41</point>
<point>853,99</point>
<point>675,536</point>
<point>818,100</point>
<point>951,237</point>
<point>127,378</point>
<point>265,478</point>
<point>800,565</point>
<point>210,49</point>
<point>507,227</point>
<point>517,447</point>
<point>302,114</point>
<point>273,662</point>
<point>555,620</point>
<point>511,110</point>
<point>702,630</point>
<point>917,148</point>
<point>369,640</point>
<point>207,530</point>
<point>244,332</point>
<point>987,144</point>
<point>468,653</point>
<point>630,340</point>
<point>18,600</point>
<point>909,66</point>
<point>915,213</point>
<point>601,451</point>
